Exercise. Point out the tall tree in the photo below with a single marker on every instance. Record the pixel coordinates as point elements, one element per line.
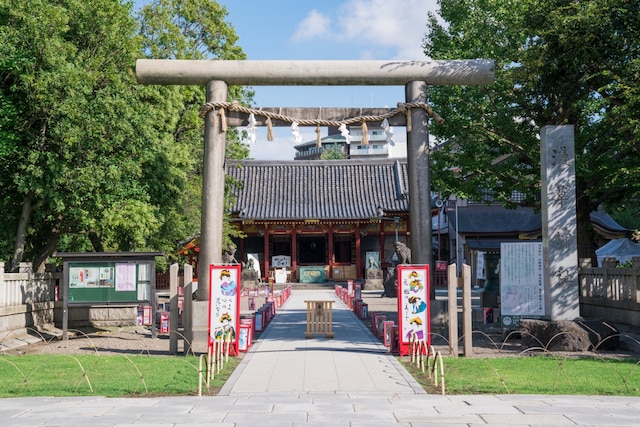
<point>63,70</point>
<point>195,29</point>
<point>557,62</point>
<point>90,159</point>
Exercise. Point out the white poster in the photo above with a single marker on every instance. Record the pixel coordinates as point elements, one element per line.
<point>125,277</point>
<point>481,273</point>
<point>521,279</point>
<point>279,261</point>
<point>281,275</point>
<point>254,261</point>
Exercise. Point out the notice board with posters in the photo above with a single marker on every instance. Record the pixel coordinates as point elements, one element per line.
<point>224,304</point>
<point>414,313</point>
<point>94,279</point>
<point>108,277</point>
<point>104,282</point>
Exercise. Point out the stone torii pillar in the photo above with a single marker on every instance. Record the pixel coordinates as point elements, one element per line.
<point>216,74</point>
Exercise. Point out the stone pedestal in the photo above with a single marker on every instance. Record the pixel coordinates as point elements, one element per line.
<point>566,335</point>
<point>374,279</point>
<point>199,328</point>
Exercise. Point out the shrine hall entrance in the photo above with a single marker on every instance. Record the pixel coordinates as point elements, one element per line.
<point>312,250</point>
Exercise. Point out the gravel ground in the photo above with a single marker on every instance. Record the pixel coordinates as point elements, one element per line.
<point>487,339</point>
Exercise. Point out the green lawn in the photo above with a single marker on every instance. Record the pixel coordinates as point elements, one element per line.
<point>139,375</point>
<point>81,375</point>
<point>536,375</point>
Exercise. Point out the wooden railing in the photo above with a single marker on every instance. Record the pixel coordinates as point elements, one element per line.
<point>610,293</point>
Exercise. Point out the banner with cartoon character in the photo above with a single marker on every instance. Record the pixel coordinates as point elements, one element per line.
<point>414,314</point>
<point>224,304</point>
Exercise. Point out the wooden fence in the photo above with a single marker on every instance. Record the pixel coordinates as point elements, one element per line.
<point>610,293</point>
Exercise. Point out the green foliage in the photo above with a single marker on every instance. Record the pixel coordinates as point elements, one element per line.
<point>627,214</point>
<point>557,62</point>
<point>65,70</point>
<point>626,264</point>
<point>333,152</point>
<point>89,159</point>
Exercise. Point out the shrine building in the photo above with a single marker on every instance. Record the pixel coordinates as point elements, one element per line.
<point>320,220</point>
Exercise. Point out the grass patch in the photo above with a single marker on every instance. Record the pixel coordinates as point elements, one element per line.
<point>140,375</point>
<point>535,375</point>
<point>112,376</point>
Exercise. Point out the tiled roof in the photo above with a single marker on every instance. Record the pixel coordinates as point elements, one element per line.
<point>319,189</point>
<point>603,220</point>
<point>495,219</point>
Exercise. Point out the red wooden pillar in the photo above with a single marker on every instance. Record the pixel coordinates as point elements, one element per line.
<point>383,259</point>
<point>266,254</point>
<point>331,258</point>
<point>359,268</point>
<point>294,252</point>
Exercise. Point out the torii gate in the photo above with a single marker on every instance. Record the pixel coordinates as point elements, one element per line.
<point>218,74</point>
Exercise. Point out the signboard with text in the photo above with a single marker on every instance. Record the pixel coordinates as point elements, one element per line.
<point>224,304</point>
<point>414,313</point>
<point>521,282</point>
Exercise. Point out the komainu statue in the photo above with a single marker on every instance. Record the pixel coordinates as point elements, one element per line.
<point>403,252</point>
<point>229,255</point>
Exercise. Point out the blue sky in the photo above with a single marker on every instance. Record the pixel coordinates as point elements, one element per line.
<point>331,30</point>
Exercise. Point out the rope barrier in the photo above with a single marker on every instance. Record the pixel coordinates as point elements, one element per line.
<point>403,108</point>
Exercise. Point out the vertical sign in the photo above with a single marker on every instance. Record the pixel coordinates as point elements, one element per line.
<point>521,282</point>
<point>559,224</point>
<point>224,304</point>
<point>414,314</point>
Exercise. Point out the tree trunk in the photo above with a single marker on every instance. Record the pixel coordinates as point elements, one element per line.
<point>45,253</point>
<point>21,234</point>
<point>96,241</point>
<point>585,237</point>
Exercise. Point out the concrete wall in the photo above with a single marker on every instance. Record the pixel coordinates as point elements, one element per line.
<point>98,316</point>
<point>17,320</point>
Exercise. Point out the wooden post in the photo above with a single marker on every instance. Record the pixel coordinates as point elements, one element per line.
<point>65,301</point>
<point>467,328</point>
<point>453,309</point>
<point>173,308</point>
<point>187,308</point>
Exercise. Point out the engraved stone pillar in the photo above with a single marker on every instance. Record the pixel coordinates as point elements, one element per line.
<point>560,248</point>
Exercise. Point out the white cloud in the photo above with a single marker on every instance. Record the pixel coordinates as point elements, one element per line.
<point>379,29</point>
<point>392,25</point>
<point>314,25</point>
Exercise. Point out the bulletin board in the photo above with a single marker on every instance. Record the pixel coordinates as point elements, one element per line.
<point>103,282</point>
<point>104,278</point>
